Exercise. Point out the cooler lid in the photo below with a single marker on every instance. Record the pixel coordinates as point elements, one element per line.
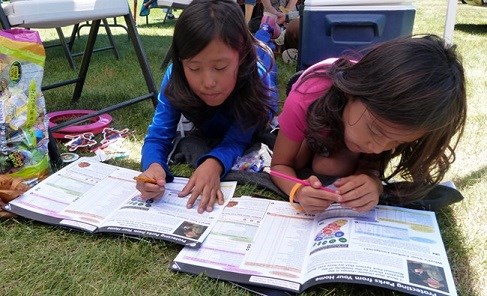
<point>355,2</point>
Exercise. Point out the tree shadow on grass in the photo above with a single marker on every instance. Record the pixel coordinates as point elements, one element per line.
<point>471,178</point>
<point>157,23</point>
<point>472,28</point>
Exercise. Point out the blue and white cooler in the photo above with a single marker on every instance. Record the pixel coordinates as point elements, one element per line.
<point>330,27</point>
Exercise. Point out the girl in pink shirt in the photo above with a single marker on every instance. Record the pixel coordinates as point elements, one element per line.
<point>404,100</point>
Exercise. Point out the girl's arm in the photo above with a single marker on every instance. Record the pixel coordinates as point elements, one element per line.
<point>161,132</point>
<point>290,152</point>
<point>283,161</point>
<point>311,198</point>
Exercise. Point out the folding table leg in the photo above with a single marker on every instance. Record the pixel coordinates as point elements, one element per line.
<point>73,36</point>
<point>54,154</point>
<point>144,65</point>
<point>66,48</point>
<point>75,33</point>
<point>110,39</point>
<point>85,62</point>
<point>5,24</point>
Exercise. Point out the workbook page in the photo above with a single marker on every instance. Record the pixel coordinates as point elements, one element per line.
<point>391,247</point>
<point>255,241</point>
<point>168,217</point>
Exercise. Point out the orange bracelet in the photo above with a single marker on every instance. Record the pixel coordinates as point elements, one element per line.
<point>293,192</point>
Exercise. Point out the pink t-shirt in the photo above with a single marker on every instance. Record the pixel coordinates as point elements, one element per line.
<point>292,120</point>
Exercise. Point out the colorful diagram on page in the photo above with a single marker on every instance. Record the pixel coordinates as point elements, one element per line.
<point>331,235</point>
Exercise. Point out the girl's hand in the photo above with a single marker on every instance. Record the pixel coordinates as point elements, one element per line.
<point>359,192</point>
<point>205,181</point>
<point>313,199</point>
<point>149,190</point>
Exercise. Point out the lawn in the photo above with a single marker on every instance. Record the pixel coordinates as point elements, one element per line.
<point>37,259</point>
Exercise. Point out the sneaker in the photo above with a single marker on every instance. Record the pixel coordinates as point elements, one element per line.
<point>280,40</point>
<point>270,22</point>
<point>436,199</point>
<point>290,55</point>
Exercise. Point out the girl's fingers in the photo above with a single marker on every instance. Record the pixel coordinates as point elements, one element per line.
<point>220,197</point>
<point>316,209</point>
<point>213,198</point>
<point>191,200</point>
<point>205,200</point>
<point>187,188</point>
<point>149,191</point>
<point>208,200</point>
<point>366,207</point>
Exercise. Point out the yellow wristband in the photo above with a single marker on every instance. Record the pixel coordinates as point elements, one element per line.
<point>292,194</point>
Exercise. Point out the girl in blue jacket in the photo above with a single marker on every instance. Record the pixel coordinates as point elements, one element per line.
<point>223,80</point>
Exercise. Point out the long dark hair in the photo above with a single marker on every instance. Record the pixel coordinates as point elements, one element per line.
<point>200,23</point>
<point>418,83</point>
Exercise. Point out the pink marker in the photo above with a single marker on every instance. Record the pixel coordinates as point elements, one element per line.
<point>305,183</point>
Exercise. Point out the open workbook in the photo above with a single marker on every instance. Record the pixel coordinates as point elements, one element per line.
<point>100,198</point>
<point>268,243</point>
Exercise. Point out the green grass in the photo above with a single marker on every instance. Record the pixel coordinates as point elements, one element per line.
<point>37,259</point>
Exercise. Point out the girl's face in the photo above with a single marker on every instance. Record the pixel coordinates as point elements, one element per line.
<point>212,73</point>
<point>367,133</point>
